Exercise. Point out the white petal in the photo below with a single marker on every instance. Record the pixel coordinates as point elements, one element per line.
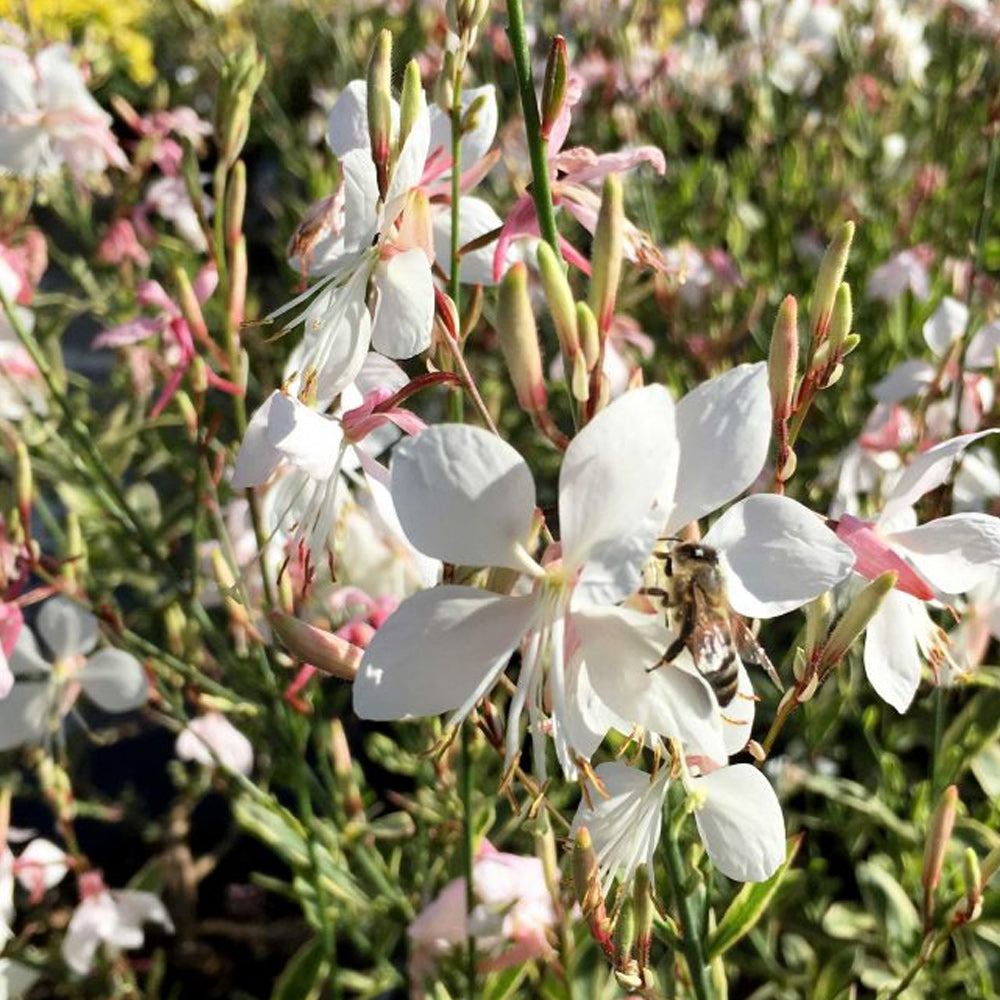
<point>983,347</point>
<point>437,651</point>
<point>954,553</point>
<point>115,681</point>
<point>463,495</point>
<point>24,714</point>
<point>927,470</point>
<point>616,478</point>
<point>625,825</point>
<point>138,908</point>
<point>347,122</point>
<point>89,925</point>
<point>211,739</point>
<point>724,429</point>
<point>41,864</point>
<point>379,372</point>
<point>737,717</point>
<point>907,379</point>
<point>404,311</point>
<point>777,555</point>
<point>307,439</point>
<point>741,823</point>
<point>946,324</point>
<point>66,628</point>
<point>6,675</point>
<point>892,659</point>
<point>257,458</point>
<point>410,162</point>
<point>26,658</point>
<point>619,648</point>
<point>476,143</point>
<point>475,219</point>
<point>360,199</point>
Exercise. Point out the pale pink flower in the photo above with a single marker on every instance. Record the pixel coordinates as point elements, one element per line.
<point>47,117</point>
<point>121,244</point>
<point>211,739</point>
<point>906,271</point>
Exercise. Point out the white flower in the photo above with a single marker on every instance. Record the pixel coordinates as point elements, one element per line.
<point>48,118</point>
<point>114,918</point>
<point>211,739</point>
<point>738,816</point>
<point>907,270</point>
<point>43,693</point>
<point>949,555</point>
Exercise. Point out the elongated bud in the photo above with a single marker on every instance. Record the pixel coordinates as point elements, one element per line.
<point>411,101</point>
<point>343,770</point>
<point>76,549</point>
<point>818,613</point>
<point>226,583</point>
<point>590,340</point>
<point>973,878</point>
<point>988,868</point>
<point>554,84</point>
<point>642,900</point>
<point>624,935</point>
<point>515,324</point>
<point>24,481</point>
<point>783,358</point>
<point>241,75</point>
<point>236,199</point>
<point>831,274</point>
<point>321,649</point>
<point>236,305</point>
<point>938,837</point>
<point>470,117</point>
<point>191,174</point>
<point>855,620</point>
<point>545,850</point>
<point>609,237</point>
<point>586,873</point>
<point>444,89</point>
<point>559,296</point>
<point>580,379</point>
<point>190,307</point>
<point>380,107</point>
<point>840,321</point>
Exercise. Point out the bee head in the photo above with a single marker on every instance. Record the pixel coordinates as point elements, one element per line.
<point>695,552</point>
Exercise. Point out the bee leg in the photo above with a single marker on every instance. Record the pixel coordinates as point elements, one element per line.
<point>675,648</point>
<point>654,592</point>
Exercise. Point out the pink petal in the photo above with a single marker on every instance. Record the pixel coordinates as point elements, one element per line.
<point>876,557</point>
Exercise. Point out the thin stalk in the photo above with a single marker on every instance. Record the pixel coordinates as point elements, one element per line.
<point>308,819</point>
<point>541,189</point>
<point>454,284</point>
<point>468,855</point>
<point>694,954</point>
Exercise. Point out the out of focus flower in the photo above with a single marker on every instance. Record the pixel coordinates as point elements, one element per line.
<point>120,244</point>
<point>946,556</point>
<point>44,692</point>
<point>22,389</point>
<point>907,270</point>
<point>114,918</point>
<point>11,622</point>
<point>168,197</point>
<point>980,622</point>
<point>211,739</point>
<point>510,921</point>
<point>48,118</point>
<point>39,867</point>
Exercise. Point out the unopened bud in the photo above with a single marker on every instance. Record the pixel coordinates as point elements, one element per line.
<point>411,101</point>
<point>394,827</point>
<point>198,373</point>
<point>783,358</point>
<point>642,901</point>
<point>855,620</point>
<point>444,89</point>
<point>799,664</point>
<point>190,307</point>
<point>590,341</point>
<point>226,583</point>
<point>515,325</point>
<point>380,107</point>
<point>236,305</point>
<point>850,342</point>
<point>586,873</point>
<point>989,867</point>
<point>545,850</point>
<point>835,375</point>
<point>840,321</point>
<point>470,117</point>
<point>807,692</point>
<point>624,935</point>
<point>606,265</point>
<point>24,480</point>
<point>938,837</point>
<point>191,175</point>
<point>788,467</point>
<point>973,879</point>
<point>554,84</point>
<point>321,649</point>
<point>559,296</point>
<point>76,549</point>
<point>236,199</point>
<point>580,379</point>
<point>831,274</point>
<point>817,622</point>
<point>241,76</point>
<point>343,770</point>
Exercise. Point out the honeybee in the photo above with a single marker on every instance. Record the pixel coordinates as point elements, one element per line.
<point>692,589</point>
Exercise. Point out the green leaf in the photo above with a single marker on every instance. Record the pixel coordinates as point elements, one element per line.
<point>304,975</point>
<point>748,907</point>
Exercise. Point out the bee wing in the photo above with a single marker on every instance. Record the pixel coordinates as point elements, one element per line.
<point>711,642</point>
<point>750,650</point>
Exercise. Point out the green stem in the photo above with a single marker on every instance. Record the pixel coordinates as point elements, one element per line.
<point>308,820</point>
<point>468,855</point>
<point>541,188</point>
<point>454,284</point>
<point>690,927</point>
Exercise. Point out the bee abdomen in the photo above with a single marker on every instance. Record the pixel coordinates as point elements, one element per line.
<point>725,681</point>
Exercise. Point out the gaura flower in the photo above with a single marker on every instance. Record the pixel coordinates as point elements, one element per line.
<point>513,913</point>
<point>44,693</point>
<point>111,917</point>
<point>738,816</point>
<point>211,739</point>
<point>48,118</point>
<point>949,555</point>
